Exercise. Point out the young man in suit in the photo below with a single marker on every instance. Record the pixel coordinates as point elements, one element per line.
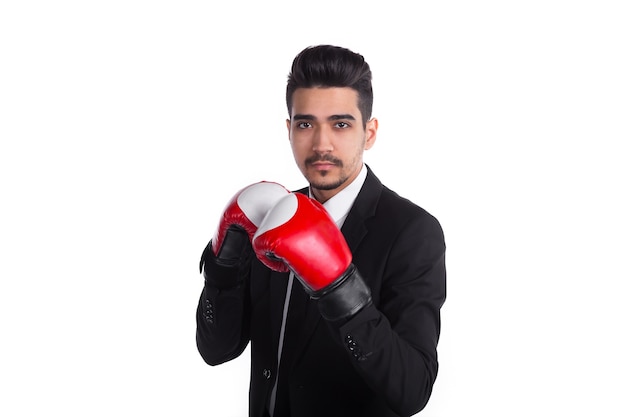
<point>341,302</point>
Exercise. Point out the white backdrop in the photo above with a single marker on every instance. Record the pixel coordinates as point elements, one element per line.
<point>127,125</point>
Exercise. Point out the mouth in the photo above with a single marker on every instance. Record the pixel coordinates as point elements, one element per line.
<point>323,165</point>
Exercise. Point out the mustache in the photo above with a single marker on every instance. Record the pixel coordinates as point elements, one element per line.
<point>323,158</point>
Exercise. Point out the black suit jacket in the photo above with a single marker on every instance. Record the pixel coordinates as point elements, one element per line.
<point>381,362</point>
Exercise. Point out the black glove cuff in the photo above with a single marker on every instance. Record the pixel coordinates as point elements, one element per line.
<point>345,297</point>
<point>222,274</point>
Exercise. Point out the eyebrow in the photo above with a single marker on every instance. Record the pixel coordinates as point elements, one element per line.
<point>333,117</point>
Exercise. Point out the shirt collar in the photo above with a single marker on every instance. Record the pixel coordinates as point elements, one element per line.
<point>339,205</point>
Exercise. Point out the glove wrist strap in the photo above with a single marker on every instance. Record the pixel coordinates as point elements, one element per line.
<point>345,297</point>
<point>222,274</point>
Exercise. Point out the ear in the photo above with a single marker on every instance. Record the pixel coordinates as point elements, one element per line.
<point>288,122</point>
<point>371,127</point>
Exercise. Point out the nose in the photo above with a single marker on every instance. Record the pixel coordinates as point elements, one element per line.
<point>322,141</point>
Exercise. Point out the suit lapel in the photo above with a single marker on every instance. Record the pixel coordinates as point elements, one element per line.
<point>278,291</point>
<point>355,226</point>
<point>301,319</point>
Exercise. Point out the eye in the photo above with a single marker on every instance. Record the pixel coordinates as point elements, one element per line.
<point>303,125</point>
<point>342,125</point>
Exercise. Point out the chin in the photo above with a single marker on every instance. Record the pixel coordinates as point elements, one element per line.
<point>324,180</point>
<point>326,185</point>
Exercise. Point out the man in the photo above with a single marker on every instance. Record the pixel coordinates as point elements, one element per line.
<point>340,303</point>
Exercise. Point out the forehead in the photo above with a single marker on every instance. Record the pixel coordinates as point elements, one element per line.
<point>325,102</point>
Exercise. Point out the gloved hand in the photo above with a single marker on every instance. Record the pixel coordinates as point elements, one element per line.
<point>241,217</point>
<point>298,231</point>
<point>225,257</point>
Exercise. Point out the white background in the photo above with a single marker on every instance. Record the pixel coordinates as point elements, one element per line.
<point>127,125</point>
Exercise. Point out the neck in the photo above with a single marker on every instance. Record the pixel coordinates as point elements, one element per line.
<point>323,196</point>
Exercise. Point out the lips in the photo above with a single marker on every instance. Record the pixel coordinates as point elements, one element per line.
<point>323,166</point>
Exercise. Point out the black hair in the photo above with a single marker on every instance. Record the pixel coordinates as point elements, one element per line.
<point>332,66</point>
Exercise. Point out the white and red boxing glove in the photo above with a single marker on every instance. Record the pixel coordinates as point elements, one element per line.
<point>298,231</point>
<point>241,217</point>
<point>226,253</point>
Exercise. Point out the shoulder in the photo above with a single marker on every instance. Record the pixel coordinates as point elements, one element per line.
<point>392,209</point>
<point>390,201</point>
<point>404,221</point>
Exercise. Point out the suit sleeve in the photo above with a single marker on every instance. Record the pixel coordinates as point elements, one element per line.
<point>393,343</point>
<point>222,321</point>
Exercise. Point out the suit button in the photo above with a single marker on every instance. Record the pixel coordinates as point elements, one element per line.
<point>267,373</point>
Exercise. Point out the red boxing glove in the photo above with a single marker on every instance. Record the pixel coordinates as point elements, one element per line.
<point>241,217</point>
<point>299,232</point>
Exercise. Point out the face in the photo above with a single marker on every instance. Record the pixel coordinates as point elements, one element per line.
<point>327,137</point>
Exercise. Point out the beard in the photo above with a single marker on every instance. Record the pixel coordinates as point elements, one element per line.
<point>327,185</point>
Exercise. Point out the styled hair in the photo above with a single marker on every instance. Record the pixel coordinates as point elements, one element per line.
<point>332,66</point>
